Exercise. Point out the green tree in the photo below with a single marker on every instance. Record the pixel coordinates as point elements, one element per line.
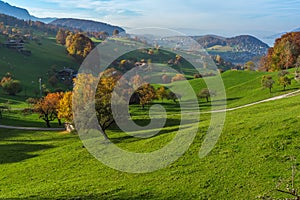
<point>285,81</point>
<point>250,66</point>
<point>267,82</point>
<point>206,94</point>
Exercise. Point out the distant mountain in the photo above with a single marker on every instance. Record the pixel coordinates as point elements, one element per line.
<point>20,13</point>
<point>278,35</point>
<point>296,30</point>
<point>237,50</point>
<point>86,25</point>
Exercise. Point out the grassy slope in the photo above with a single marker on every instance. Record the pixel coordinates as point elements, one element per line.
<point>28,69</point>
<point>242,87</point>
<point>252,154</point>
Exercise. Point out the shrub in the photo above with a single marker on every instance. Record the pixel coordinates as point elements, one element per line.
<point>12,87</point>
<point>178,77</point>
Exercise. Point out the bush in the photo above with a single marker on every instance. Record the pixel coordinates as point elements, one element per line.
<point>12,87</point>
<point>32,101</point>
<point>178,77</point>
<point>166,79</point>
<point>197,76</point>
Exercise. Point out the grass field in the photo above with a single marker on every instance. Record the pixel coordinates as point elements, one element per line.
<point>253,153</point>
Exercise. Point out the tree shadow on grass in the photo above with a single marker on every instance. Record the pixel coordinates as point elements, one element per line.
<point>10,120</point>
<point>13,153</point>
<point>172,125</point>
<point>110,195</point>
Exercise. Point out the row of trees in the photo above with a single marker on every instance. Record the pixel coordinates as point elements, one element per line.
<point>283,79</point>
<point>59,105</point>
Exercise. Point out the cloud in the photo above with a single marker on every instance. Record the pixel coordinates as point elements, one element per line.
<point>106,7</point>
<point>214,16</point>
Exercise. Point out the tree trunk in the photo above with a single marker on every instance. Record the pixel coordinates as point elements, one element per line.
<point>48,124</point>
<point>105,135</point>
<point>59,122</point>
<point>207,100</point>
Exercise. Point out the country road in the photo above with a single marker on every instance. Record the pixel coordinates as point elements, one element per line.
<point>291,94</point>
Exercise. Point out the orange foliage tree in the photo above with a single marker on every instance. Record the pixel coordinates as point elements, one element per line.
<point>47,107</point>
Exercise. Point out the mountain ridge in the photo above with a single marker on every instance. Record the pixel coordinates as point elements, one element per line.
<point>86,25</point>
<point>20,13</point>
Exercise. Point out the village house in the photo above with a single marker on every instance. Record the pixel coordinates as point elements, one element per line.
<point>14,44</point>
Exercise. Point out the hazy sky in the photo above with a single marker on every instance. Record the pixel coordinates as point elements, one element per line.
<point>224,17</point>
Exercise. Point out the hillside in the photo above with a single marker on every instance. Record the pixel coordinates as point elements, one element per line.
<point>253,154</point>
<point>20,13</point>
<point>86,25</point>
<point>28,69</point>
<point>237,50</point>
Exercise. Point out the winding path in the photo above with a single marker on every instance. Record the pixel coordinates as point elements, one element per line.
<point>291,94</point>
<point>295,93</point>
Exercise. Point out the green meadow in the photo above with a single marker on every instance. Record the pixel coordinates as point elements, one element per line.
<point>256,150</point>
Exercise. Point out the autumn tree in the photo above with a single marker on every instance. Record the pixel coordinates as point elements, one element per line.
<point>267,82</point>
<point>61,36</point>
<point>64,110</point>
<point>166,79</point>
<point>162,93</point>
<point>8,76</point>
<point>137,81</point>
<point>284,54</point>
<point>79,46</point>
<point>178,77</point>
<point>146,94</point>
<point>47,108</point>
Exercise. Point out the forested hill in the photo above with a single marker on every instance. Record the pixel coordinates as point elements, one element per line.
<point>86,25</point>
<point>12,25</point>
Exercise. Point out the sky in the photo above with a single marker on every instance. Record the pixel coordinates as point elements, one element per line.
<point>193,17</point>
